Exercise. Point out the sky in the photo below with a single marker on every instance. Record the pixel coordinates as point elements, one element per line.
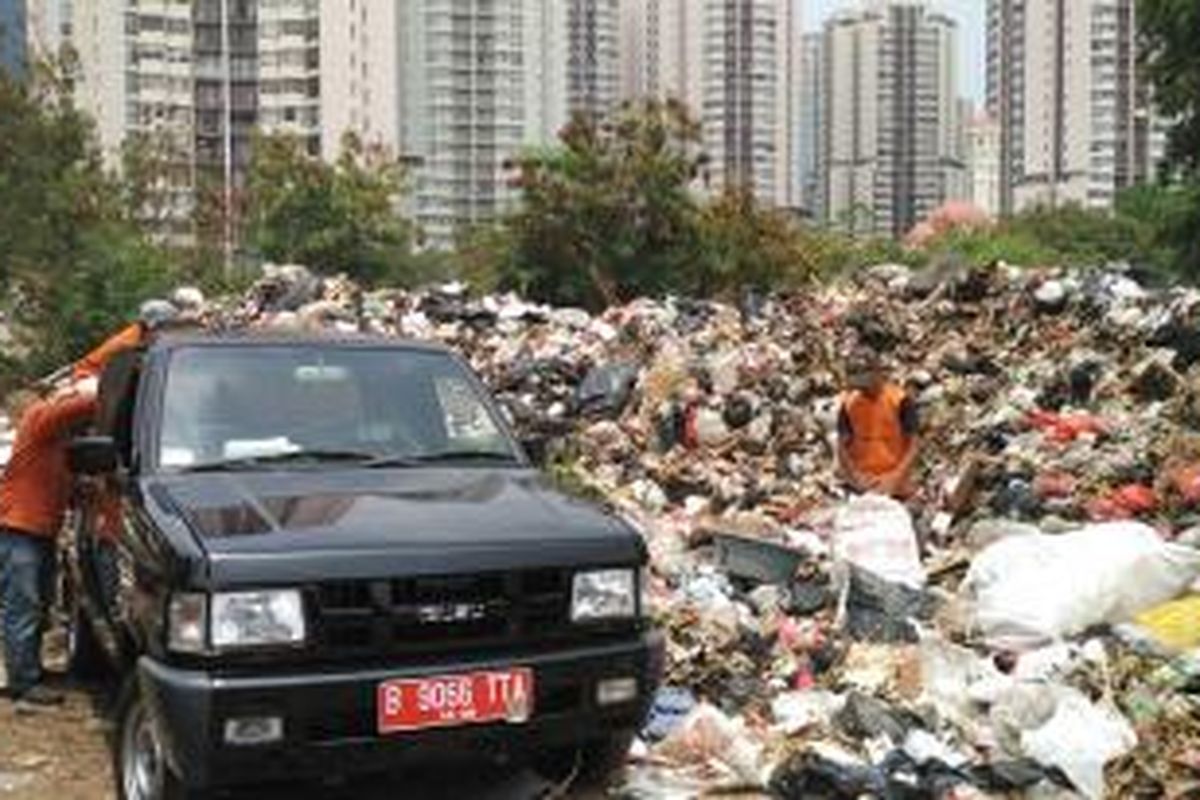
<point>970,15</point>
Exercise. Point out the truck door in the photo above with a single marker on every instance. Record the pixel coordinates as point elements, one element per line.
<point>99,568</point>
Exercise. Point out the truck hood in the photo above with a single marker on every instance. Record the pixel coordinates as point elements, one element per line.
<point>267,527</point>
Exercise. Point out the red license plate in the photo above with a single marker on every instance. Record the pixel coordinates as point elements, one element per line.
<point>448,700</point>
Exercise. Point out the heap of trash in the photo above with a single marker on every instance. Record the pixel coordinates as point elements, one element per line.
<point>1028,624</point>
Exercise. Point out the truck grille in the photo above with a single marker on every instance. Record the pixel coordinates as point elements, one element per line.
<point>439,614</point>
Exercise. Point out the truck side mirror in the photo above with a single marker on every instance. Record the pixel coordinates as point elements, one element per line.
<point>507,413</point>
<point>92,455</point>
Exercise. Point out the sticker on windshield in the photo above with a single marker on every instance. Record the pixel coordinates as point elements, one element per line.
<point>178,457</point>
<point>259,448</point>
<point>466,418</point>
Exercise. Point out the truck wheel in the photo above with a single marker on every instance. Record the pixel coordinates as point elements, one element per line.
<point>139,764</point>
<point>597,760</point>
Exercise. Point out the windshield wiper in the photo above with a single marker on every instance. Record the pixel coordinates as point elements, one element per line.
<point>416,459</point>
<point>252,462</point>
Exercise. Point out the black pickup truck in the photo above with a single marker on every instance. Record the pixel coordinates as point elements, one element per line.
<point>309,556</point>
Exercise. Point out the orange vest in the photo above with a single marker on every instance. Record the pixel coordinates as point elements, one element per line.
<point>878,442</point>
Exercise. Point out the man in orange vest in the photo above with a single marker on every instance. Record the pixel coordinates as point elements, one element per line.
<point>34,493</point>
<point>878,431</point>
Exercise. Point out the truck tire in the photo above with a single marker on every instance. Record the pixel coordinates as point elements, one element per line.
<point>140,768</point>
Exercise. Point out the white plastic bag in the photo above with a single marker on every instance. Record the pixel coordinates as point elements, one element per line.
<point>1028,590</point>
<point>707,735</point>
<point>1080,738</point>
<point>795,711</point>
<point>876,533</point>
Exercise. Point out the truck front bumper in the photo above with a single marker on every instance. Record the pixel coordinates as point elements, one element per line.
<point>329,716</point>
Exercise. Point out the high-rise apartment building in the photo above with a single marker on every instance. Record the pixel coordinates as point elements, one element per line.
<point>456,88</point>
<point>479,80</point>
<point>984,163</point>
<point>751,111</point>
<point>893,141</point>
<point>593,56</point>
<point>662,51</point>
<point>810,154</point>
<point>736,64</point>
<point>360,73</point>
<point>12,36</point>
<point>47,27</point>
<point>208,72</point>
<point>1076,124</point>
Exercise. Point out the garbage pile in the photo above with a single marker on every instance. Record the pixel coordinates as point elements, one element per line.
<point>1025,625</point>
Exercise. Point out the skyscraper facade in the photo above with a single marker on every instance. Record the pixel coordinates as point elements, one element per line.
<point>210,72</point>
<point>593,56</point>
<point>1076,122</point>
<point>360,74</point>
<point>736,64</point>
<point>810,154</point>
<point>751,106</point>
<point>47,27</point>
<point>12,36</point>
<point>479,80</point>
<point>984,163</point>
<point>662,51</point>
<point>894,147</point>
<point>202,76</point>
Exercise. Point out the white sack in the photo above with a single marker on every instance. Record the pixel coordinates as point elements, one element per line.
<point>876,533</point>
<point>1028,590</point>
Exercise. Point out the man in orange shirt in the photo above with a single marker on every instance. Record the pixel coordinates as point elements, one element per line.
<point>34,493</point>
<point>877,431</point>
<point>153,315</point>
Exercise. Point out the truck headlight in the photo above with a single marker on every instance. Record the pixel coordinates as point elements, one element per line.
<point>604,594</point>
<point>257,619</point>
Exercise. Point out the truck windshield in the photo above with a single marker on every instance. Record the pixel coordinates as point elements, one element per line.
<point>271,405</point>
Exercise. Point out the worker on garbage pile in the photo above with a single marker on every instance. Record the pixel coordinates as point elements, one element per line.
<point>878,430</point>
<point>34,493</point>
<point>153,314</point>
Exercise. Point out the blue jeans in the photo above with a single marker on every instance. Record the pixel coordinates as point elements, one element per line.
<point>26,576</point>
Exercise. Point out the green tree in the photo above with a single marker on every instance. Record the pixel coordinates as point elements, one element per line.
<point>609,214</point>
<point>156,182</point>
<point>1164,219</point>
<point>615,212</point>
<point>340,217</point>
<point>743,245</point>
<point>1076,236</point>
<point>73,262</point>
<point>1168,30</point>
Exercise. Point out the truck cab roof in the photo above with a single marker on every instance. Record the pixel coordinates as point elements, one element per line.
<point>268,337</point>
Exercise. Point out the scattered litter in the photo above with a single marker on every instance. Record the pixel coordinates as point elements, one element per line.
<point>1080,738</point>
<point>1029,590</point>
<point>1058,482</point>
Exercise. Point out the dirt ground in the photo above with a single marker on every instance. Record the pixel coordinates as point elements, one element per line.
<point>63,755</point>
